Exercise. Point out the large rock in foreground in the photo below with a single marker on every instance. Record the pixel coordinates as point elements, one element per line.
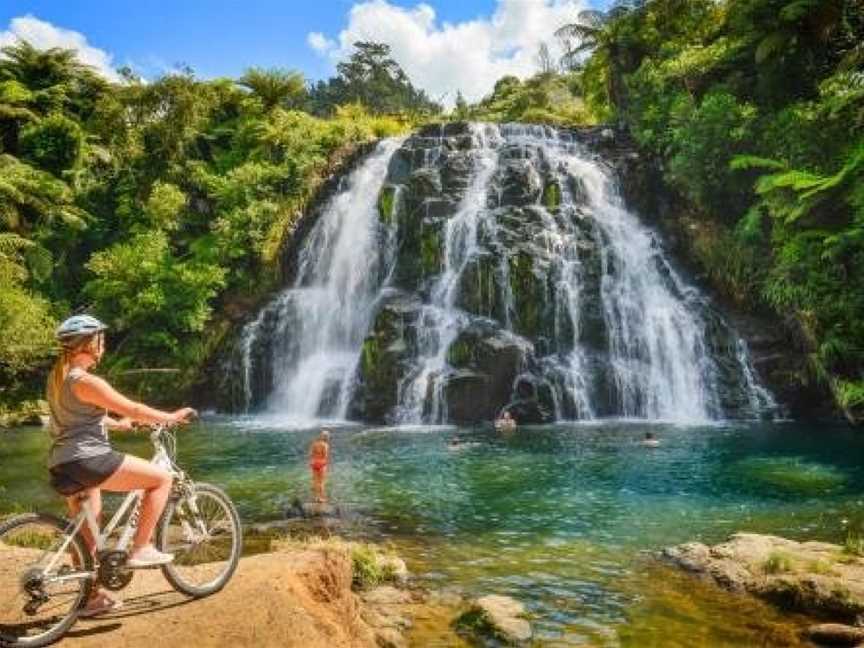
<point>816,578</point>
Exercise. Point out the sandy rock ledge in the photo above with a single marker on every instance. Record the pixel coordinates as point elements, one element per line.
<point>816,578</point>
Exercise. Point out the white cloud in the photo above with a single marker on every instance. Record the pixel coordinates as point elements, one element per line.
<point>445,57</point>
<point>319,42</point>
<point>44,35</point>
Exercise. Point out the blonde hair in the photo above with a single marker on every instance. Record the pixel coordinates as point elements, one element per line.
<point>61,367</point>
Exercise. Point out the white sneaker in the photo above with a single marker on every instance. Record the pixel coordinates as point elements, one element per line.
<point>148,556</point>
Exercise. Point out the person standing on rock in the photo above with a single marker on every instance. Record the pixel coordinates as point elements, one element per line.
<point>319,458</point>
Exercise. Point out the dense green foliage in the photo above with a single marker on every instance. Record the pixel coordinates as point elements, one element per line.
<point>755,110</point>
<point>159,207</point>
<point>546,98</point>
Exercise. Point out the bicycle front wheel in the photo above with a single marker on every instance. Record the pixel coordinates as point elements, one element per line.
<point>203,532</point>
<point>41,587</point>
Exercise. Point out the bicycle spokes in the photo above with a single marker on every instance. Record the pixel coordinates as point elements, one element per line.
<point>40,585</point>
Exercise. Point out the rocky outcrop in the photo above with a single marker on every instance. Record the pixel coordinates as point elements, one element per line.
<point>816,578</point>
<point>297,597</point>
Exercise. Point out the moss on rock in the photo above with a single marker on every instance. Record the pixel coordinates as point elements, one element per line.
<point>387,204</point>
<point>552,195</point>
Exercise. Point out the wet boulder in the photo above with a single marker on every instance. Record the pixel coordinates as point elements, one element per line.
<point>481,288</point>
<point>423,184</point>
<point>457,172</point>
<point>520,183</point>
<point>389,346</point>
<point>467,396</point>
<point>488,360</point>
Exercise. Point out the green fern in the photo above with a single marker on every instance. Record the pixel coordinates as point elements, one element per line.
<point>755,162</point>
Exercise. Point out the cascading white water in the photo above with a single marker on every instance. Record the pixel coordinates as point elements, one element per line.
<point>421,395</point>
<point>660,363</point>
<point>574,294</point>
<point>660,366</point>
<point>323,318</point>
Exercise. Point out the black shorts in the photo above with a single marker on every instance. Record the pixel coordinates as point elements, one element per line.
<point>74,476</point>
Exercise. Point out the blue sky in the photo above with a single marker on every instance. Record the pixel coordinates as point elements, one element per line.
<point>223,38</point>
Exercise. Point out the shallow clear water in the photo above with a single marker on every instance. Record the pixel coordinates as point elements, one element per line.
<point>562,517</point>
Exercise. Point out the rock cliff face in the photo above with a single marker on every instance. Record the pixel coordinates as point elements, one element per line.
<point>502,292</point>
<point>473,268</point>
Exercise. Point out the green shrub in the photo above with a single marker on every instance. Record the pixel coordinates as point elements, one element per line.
<point>53,143</point>
<point>703,145</point>
<point>370,566</point>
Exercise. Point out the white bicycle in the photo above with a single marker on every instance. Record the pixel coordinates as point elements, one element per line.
<point>47,573</point>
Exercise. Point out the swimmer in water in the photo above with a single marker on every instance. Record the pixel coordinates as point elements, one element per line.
<point>505,423</point>
<point>649,441</point>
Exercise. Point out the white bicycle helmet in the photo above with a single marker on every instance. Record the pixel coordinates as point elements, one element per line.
<point>78,326</point>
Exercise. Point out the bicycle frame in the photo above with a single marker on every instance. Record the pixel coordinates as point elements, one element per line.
<point>160,458</point>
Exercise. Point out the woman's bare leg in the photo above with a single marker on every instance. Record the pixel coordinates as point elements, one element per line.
<point>137,474</point>
<point>93,496</point>
<point>324,486</point>
<point>94,499</point>
<point>319,478</point>
<point>316,485</point>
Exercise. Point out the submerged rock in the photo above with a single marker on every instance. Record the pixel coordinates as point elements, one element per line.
<point>835,634</point>
<point>496,617</point>
<point>817,578</point>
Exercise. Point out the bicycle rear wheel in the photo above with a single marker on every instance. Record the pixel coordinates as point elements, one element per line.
<point>38,607</point>
<point>203,532</point>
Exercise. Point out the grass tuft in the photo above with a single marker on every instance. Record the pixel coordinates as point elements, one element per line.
<point>777,563</point>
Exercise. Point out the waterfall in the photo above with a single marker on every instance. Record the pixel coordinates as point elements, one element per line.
<point>322,319</point>
<point>507,272</point>
<point>657,350</point>
<point>420,394</point>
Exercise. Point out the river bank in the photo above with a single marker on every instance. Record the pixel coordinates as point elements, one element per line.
<point>311,594</point>
<point>331,593</point>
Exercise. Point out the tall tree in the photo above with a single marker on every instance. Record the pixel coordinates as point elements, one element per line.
<point>373,78</point>
<point>275,87</point>
<point>598,34</point>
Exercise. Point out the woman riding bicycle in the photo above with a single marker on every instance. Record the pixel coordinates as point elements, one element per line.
<point>82,461</point>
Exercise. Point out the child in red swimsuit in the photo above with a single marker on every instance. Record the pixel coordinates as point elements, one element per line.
<point>319,457</point>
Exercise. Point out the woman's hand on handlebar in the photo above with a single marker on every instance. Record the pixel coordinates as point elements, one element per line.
<point>124,424</point>
<point>183,416</point>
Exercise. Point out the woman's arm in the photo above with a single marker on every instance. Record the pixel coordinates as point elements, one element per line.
<point>124,423</point>
<point>96,391</point>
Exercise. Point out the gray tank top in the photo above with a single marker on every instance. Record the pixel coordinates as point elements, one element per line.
<point>77,427</point>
